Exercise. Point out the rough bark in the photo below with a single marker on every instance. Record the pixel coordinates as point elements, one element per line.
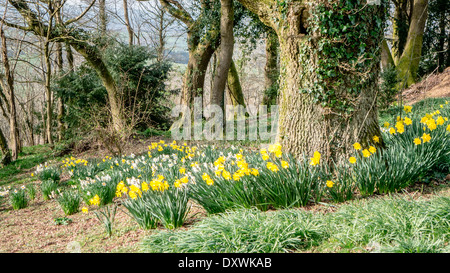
<point>304,125</point>
<point>271,69</point>
<point>408,63</point>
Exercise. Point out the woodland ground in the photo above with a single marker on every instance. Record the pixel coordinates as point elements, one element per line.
<point>33,229</point>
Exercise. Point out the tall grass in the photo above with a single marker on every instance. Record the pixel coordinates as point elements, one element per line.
<point>379,225</point>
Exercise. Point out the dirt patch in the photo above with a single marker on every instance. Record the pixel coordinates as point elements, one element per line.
<point>435,85</point>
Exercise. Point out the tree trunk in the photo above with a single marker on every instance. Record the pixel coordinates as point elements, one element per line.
<point>102,17</point>
<point>48,92</point>
<point>234,86</point>
<point>408,63</point>
<point>6,154</point>
<point>225,53</point>
<point>127,23</point>
<point>400,26</point>
<point>386,56</point>
<point>13,126</point>
<point>307,124</point>
<point>60,117</point>
<point>271,69</point>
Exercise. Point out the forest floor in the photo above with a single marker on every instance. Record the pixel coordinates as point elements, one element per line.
<point>33,229</point>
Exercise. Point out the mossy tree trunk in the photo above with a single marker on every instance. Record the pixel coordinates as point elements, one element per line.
<point>224,54</point>
<point>408,64</point>
<point>341,110</point>
<point>271,69</point>
<point>234,86</point>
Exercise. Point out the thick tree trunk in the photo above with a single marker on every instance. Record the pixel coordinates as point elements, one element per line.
<point>306,126</point>
<point>408,63</point>
<point>271,69</point>
<point>225,53</point>
<point>234,86</point>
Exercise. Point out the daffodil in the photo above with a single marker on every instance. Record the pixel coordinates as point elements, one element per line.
<point>284,164</point>
<point>366,153</point>
<point>330,183</point>
<point>272,167</point>
<point>417,141</point>
<point>357,146</point>
<point>372,149</point>
<point>407,108</point>
<point>376,139</point>
<point>426,138</point>
<point>408,121</point>
<point>85,210</point>
<point>315,160</point>
<point>352,160</point>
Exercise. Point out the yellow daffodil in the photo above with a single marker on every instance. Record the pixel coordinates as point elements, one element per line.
<point>85,210</point>
<point>352,160</point>
<point>426,138</point>
<point>408,121</point>
<point>272,167</point>
<point>376,139</point>
<point>407,108</point>
<point>315,160</point>
<point>357,146</point>
<point>417,141</point>
<point>284,164</point>
<point>330,183</point>
<point>372,149</point>
<point>366,153</point>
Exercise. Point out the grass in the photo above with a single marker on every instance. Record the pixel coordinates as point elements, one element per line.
<point>392,224</point>
<point>18,171</point>
<point>420,108</point>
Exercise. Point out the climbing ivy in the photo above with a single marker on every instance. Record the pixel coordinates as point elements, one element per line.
<point>346,37</point>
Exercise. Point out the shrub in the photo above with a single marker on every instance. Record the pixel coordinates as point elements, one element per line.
<point>69,202</point>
